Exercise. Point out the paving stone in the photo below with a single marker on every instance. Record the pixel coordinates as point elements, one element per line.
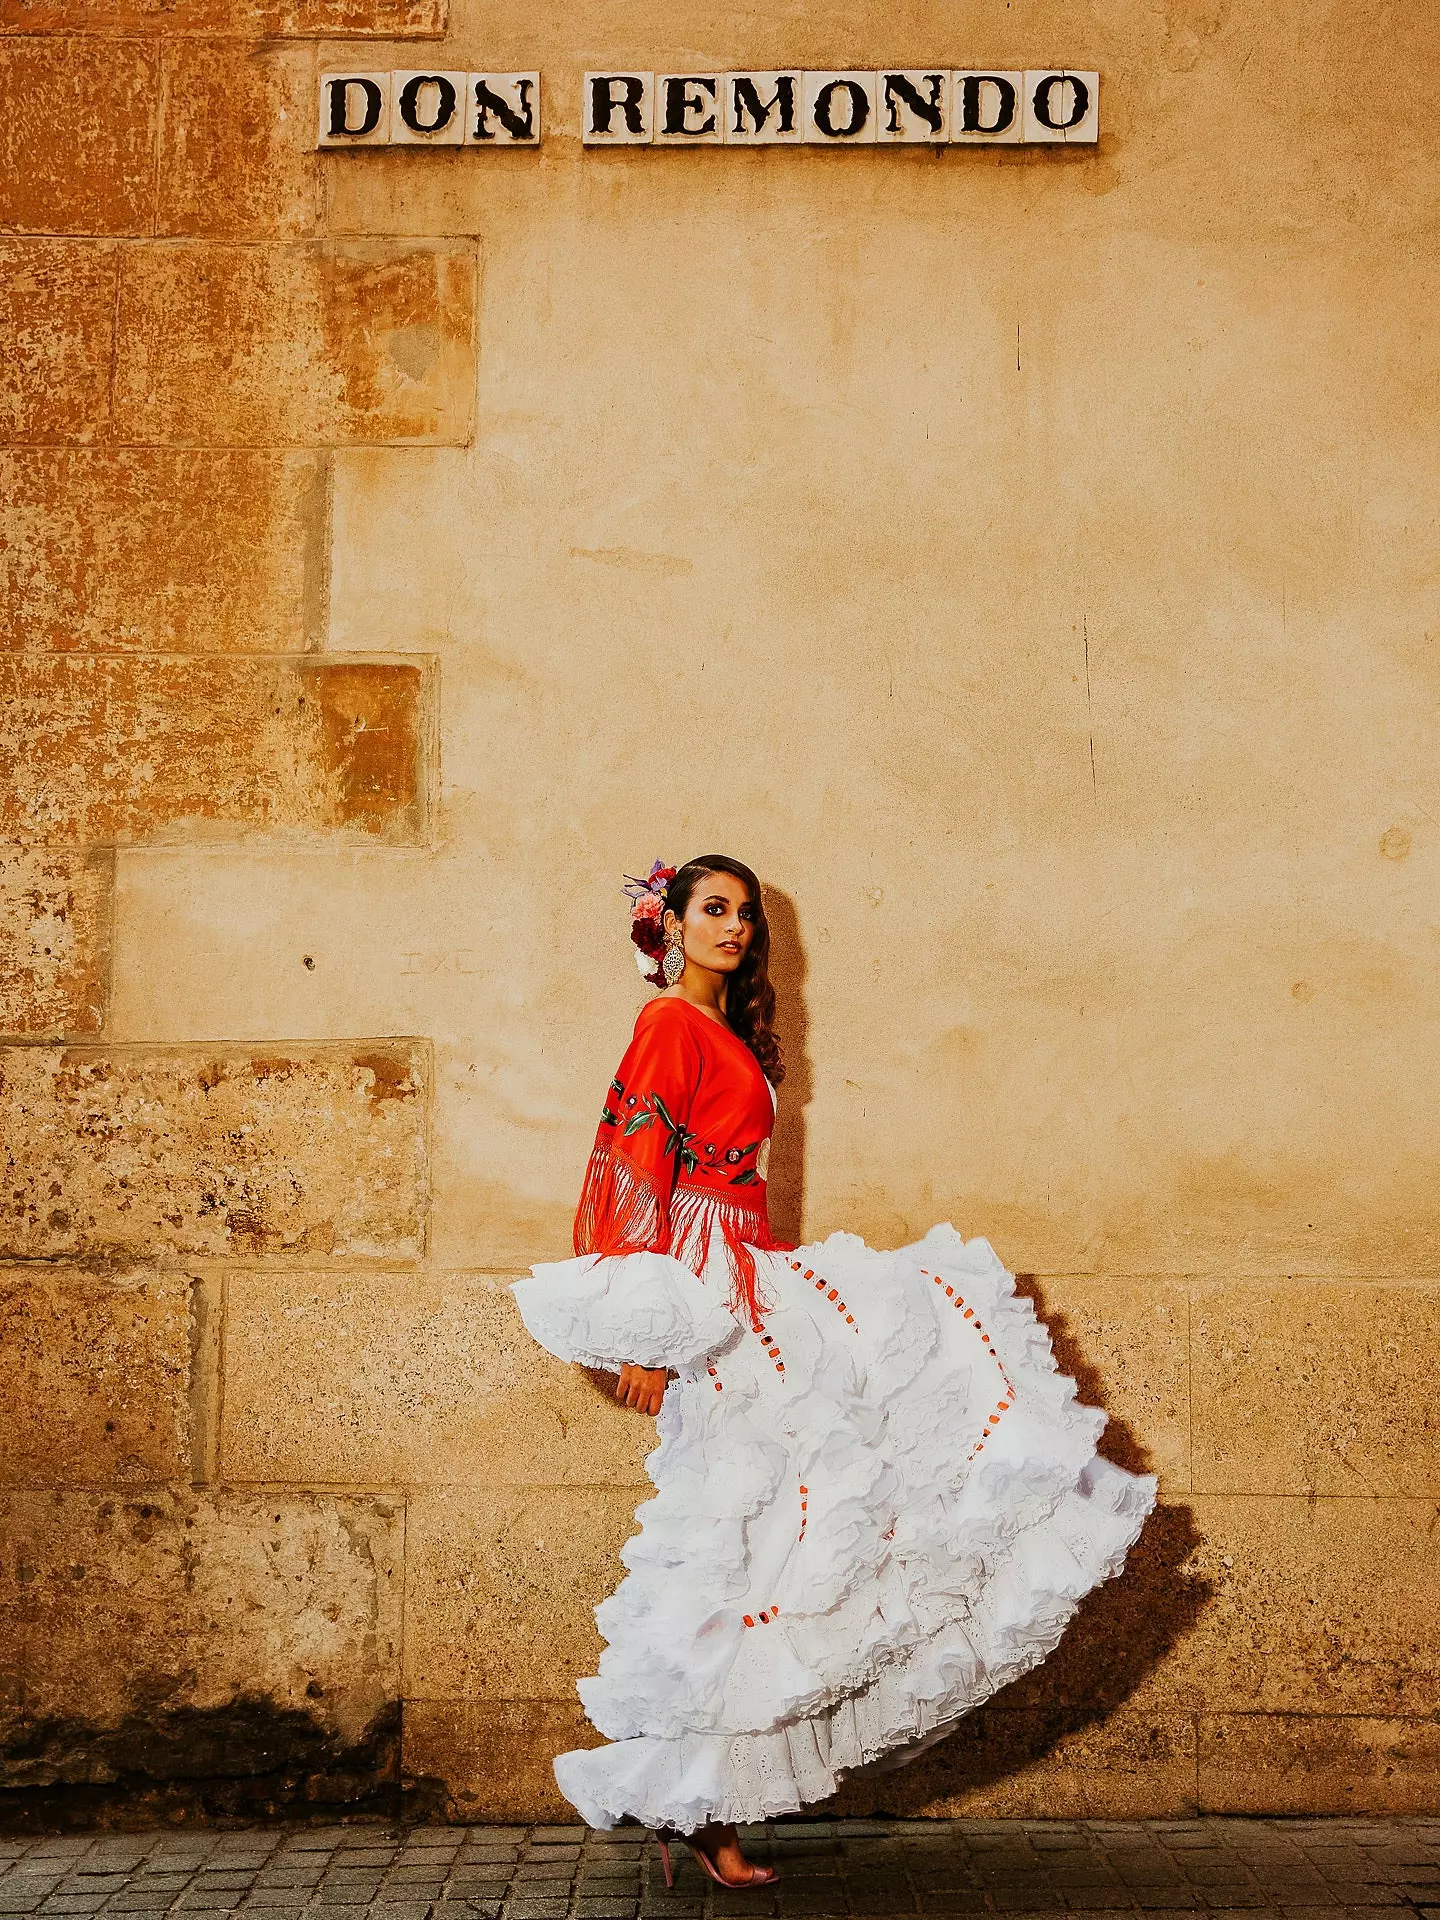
<point>889,1869</point>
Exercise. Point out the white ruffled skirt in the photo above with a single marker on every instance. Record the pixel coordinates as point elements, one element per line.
<point>868,1518</point>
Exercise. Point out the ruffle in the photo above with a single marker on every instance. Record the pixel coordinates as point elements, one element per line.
<point>941,1551</point>
<point>604,1310</point>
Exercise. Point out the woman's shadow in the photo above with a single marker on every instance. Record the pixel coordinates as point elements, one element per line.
<point>1123,1629</point>
<point>787,1145</point>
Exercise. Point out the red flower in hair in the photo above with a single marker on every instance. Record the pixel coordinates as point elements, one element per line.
<point>647,909</point>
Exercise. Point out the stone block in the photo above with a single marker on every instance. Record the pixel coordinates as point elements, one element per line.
<point>57,327</point>
<point>1126,1344</point>
<point>500,1589</point>
<point>492,1757</point>
<point>236,149</point>
<point>300,345</point>
<point>77,135</point>
<point>179,1632</point>
<point>95,1377</point>
<point>1307,1606</point>
<point>243,535</point>
<point>231,1151</point>
<point>1003,1764</point>
<point>55,914</point>
<point>1299,1763</point>
<point>422,1378</point>
<point>252,19</point>
<point>126,749</point>
<point>1316,1387</point>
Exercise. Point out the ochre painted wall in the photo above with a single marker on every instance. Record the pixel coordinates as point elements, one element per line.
<point>1026,559</point>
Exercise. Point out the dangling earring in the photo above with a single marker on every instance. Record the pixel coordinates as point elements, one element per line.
<point>673,965</point>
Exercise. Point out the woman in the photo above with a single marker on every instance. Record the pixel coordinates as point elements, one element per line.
<point>877,1499</point>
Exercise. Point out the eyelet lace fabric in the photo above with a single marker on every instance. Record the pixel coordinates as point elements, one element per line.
<point>875,1504</point>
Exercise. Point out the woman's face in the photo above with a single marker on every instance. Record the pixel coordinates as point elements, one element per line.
<point>719,923</point>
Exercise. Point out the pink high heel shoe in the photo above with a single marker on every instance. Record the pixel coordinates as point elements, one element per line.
<point>758,1877</point>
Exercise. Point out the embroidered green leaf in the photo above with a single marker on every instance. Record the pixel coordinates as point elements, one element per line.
<point>746,1179</point>
<point>609,1119</point>
<point>688,1160</point>
<point>640,1120</point>
<point>665,1114</point>
<point>617,1086</point>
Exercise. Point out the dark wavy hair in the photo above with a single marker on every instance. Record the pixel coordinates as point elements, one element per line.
<point>750,998</point>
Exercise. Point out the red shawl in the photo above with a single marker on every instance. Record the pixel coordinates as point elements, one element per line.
<point>682,1150</point>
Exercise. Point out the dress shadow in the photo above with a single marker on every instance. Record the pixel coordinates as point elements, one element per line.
<point>1121,1632</point>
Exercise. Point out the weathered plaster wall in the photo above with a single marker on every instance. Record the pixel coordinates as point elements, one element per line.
<point>1026,559</point>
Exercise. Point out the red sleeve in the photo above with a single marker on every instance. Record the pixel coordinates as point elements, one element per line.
<point>625,1201</point>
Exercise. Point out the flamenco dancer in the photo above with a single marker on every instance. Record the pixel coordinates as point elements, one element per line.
<point>877,1500</point>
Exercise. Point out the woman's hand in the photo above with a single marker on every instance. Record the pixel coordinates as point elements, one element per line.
<point>641,1387</point>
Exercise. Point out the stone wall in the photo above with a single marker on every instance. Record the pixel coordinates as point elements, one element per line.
<point>1026,559</point>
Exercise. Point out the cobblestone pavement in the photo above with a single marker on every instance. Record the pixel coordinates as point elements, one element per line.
<point>1015,1867</point>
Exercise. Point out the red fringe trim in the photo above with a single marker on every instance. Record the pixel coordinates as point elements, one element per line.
<point>621,1211</point>
<point>695,1212</point>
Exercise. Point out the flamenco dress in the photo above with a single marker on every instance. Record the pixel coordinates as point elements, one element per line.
<point>877,1499</point>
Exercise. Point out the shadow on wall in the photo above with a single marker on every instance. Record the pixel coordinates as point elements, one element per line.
<point>787,1148</point>
<point>248,1760</point>
<point>1121,1632</point>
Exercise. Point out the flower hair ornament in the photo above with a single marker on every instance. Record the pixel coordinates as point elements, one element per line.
<point>661,961</point>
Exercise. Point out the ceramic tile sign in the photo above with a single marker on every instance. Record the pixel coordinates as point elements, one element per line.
<point>428,109</point>
<point>912,106</point>
<point>986,108</point>
<point>938,106</point>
